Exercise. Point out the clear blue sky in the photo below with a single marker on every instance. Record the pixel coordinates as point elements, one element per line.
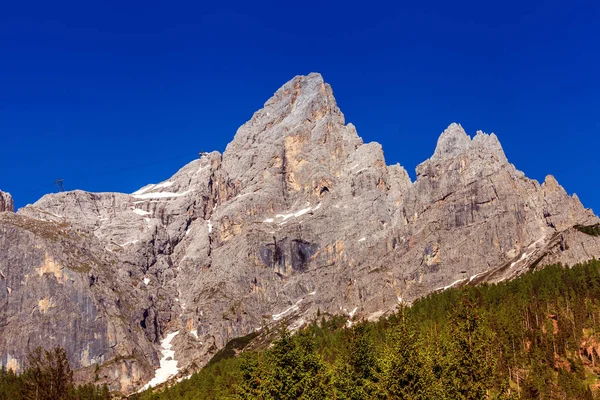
<point>110,96</point>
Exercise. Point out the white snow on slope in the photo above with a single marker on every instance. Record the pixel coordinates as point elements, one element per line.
<point>146,281</point>
<point>535,245</point>
<point>159,195</point>
<point>351,315</point>
<point>152,186</point>
<point>450,285</point>
<point>299,213</point>
<point>277,317</point>
<point>163,185</point>
<point>143,189</point>
<point>141,212</point>
<point>168,364</point>
<point>523,256</point>
<point>474,276</point>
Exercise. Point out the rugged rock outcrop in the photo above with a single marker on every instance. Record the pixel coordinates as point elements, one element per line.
<point>298,215</point>
<point>6,202</point>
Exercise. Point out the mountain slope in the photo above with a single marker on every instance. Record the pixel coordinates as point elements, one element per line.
<point>297,215</point>
<point>529,338</point>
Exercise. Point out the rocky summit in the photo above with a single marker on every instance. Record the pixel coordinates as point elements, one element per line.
<point>297,217</point>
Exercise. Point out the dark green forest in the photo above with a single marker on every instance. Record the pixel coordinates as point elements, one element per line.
<point>48,376</point>
<point>536,337</point>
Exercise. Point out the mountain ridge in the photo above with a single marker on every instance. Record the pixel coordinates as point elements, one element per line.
<point>297,216</point>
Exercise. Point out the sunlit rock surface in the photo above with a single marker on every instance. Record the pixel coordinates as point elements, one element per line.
<point>297,215</point>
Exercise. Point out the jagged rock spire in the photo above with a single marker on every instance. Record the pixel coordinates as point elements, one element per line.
<point>453,141</point>
<point>304,99</point>
<point>6,202</point>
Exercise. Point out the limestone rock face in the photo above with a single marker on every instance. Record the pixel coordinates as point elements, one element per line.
<point>297,216</point>
<point>6,202</point>
<point>59,287</point>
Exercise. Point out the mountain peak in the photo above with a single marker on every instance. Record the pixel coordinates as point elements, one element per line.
<point>453,141</point>
<point>305,99</point>
<point>304,96</point>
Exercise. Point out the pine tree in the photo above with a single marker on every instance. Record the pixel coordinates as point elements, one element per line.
<point>357,371</point>
<point>407,367</point>
<point>291,369</point>
<point>469,365</point>
<point>48,375</point>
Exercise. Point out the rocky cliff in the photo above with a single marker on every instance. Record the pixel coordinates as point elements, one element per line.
<point>297,216</point>
<point>6,202</point>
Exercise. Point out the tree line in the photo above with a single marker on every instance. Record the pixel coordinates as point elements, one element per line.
<point>536,337</point>
<point>48,376</point>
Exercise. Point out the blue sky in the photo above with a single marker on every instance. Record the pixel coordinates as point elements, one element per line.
<point>110,96</point>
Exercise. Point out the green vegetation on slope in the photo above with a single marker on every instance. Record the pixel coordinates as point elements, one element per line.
<point>537,337</point>
<point>48,377</point>
<point>593,230</point>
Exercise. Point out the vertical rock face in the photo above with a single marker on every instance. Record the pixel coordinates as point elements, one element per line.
<point>297,215</point>
<point>6,202</point>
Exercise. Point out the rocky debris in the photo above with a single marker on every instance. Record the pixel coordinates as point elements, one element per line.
<point>6,202</point>
<point>297,216</point>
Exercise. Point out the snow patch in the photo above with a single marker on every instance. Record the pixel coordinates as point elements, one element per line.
<point>362,239</point>
<point>299,213</point>
<point>163,185</point>
<point>168,364</point>
<point>143,189</point>
<point>530,250</point>
<point>146,281</point>
<point>150,187</point>
<point>351,315</point>
<point>141,212</point>
<point>210,226</point>
<point>450,285</point>
<point>312,293</point>
<point>194,333</point>
<point>523,256</point>
<point>277,317</point>
<point>160,195</point>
